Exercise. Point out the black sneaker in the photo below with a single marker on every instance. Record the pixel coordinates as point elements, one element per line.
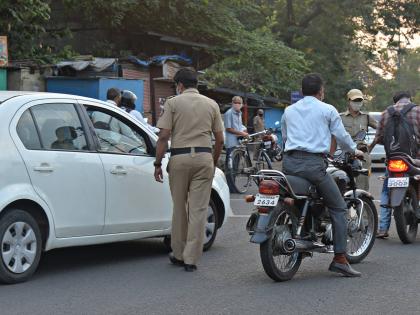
<point>190,268</point>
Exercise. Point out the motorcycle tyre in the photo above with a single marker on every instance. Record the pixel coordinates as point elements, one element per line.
<point>400,220</point>
<point>266,250</point>
<point>358,259</point>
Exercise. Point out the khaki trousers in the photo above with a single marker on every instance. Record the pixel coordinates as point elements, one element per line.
<point>190,180</point>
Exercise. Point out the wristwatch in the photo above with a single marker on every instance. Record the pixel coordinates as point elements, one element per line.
<point>156,164</point>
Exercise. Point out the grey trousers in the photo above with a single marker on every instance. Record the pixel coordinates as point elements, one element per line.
<point>313,167</point>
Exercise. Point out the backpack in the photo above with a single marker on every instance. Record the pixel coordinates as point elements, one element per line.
<point>399,135</point>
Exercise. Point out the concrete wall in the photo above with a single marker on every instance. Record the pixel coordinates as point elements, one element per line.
<point>24,79</point>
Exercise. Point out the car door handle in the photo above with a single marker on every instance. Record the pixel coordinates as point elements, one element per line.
<point>44,168</point>
<point>118,170</point>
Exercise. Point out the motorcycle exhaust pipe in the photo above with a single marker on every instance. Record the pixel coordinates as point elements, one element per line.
<point>290,245</point>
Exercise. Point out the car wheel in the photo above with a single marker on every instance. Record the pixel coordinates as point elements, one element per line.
<point>211,225</point>
<point>20,251</point>
<point>210,229</point>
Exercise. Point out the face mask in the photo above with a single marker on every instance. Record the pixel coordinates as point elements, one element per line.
<point>356,106</point>
<point>237,106</point>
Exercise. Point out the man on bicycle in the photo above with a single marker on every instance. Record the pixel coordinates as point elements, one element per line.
<point>307,127</point>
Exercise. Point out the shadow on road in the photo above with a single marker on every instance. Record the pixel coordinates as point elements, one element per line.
<point>78,258</point>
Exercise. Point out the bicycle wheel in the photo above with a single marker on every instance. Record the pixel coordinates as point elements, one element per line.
<point>240,174</point>
<point>263,162</point>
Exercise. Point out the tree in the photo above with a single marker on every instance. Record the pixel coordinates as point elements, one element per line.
<point>406,78</point>
<point>247,56</point>
<point>261,65</point>
<point>340,37</point>
<point>24,24</point>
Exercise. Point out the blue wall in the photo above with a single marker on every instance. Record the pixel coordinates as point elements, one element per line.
<point>271,115</point>
<point>96,87</point>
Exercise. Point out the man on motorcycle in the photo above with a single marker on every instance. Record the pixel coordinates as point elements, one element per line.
<point>401,99</point>
<point>307,128</point>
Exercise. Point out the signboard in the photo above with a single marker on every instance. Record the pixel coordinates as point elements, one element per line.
<point>3,51</point>
<point>295,96</point>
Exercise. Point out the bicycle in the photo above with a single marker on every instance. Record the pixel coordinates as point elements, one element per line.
<point>241,166</point>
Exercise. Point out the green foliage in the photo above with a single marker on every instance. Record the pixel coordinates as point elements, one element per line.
<point>338,36</point>
<point>259,64</point>
<point>407,78</point>
<point>262,46</point>
<point>24,23</point>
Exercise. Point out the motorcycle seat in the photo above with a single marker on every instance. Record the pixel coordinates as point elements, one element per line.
<point>300,186</point>
<point>415,162</point>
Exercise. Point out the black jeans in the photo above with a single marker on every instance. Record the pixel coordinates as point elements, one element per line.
<point>313,167</point>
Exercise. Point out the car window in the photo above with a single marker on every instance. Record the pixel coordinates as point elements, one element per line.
<point>115,135</point>
<point>59,127</point>
<point>27,133</point>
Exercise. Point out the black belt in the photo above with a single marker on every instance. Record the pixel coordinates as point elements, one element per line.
<point>304,153</point>
<point>177,151</point>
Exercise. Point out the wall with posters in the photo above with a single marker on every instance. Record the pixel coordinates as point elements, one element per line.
<point>3,62</point>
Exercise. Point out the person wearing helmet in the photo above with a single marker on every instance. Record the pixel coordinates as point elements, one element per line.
<point>128,103</point>
<point>128,100</point>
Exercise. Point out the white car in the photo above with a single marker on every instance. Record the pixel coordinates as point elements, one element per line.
<point>378,153</point>
<point>78,171</point>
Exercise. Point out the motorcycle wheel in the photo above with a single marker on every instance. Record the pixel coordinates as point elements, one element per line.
<point>277,266</point>
<point>360,242</point>
<point>405,217</point>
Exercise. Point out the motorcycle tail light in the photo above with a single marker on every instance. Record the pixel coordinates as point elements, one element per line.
<point>269,187</point>
<point>397,166</point>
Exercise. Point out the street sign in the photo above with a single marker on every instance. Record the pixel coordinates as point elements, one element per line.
<point>295,96</point>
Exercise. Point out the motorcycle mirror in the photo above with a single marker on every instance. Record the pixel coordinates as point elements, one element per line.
<point>277,123</point>
<point>361,135</point>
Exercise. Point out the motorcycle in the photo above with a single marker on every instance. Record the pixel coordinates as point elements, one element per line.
<point>403,181</point>
<point>291,221</point>
<point>274,149</point>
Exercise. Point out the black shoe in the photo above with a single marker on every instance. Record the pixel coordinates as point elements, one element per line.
<point>190,268</point>
<point>345,269</point>
<point>176,261</point>
<point>382,234</point>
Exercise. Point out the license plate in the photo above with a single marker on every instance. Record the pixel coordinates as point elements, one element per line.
<point>266,200</point>
<point>398,182</point>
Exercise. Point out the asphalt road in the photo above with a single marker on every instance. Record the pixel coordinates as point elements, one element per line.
<point>136,278</point>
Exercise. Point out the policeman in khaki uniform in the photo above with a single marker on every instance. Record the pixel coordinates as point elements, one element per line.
<point>189,119</point>
<point>355,120</point>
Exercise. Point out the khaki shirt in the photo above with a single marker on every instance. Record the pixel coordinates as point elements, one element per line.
<point>192,118</point>
<point>258,124</point>
<point>361,122</point>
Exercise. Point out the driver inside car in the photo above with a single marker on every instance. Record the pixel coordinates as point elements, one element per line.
<point>307,128</point>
